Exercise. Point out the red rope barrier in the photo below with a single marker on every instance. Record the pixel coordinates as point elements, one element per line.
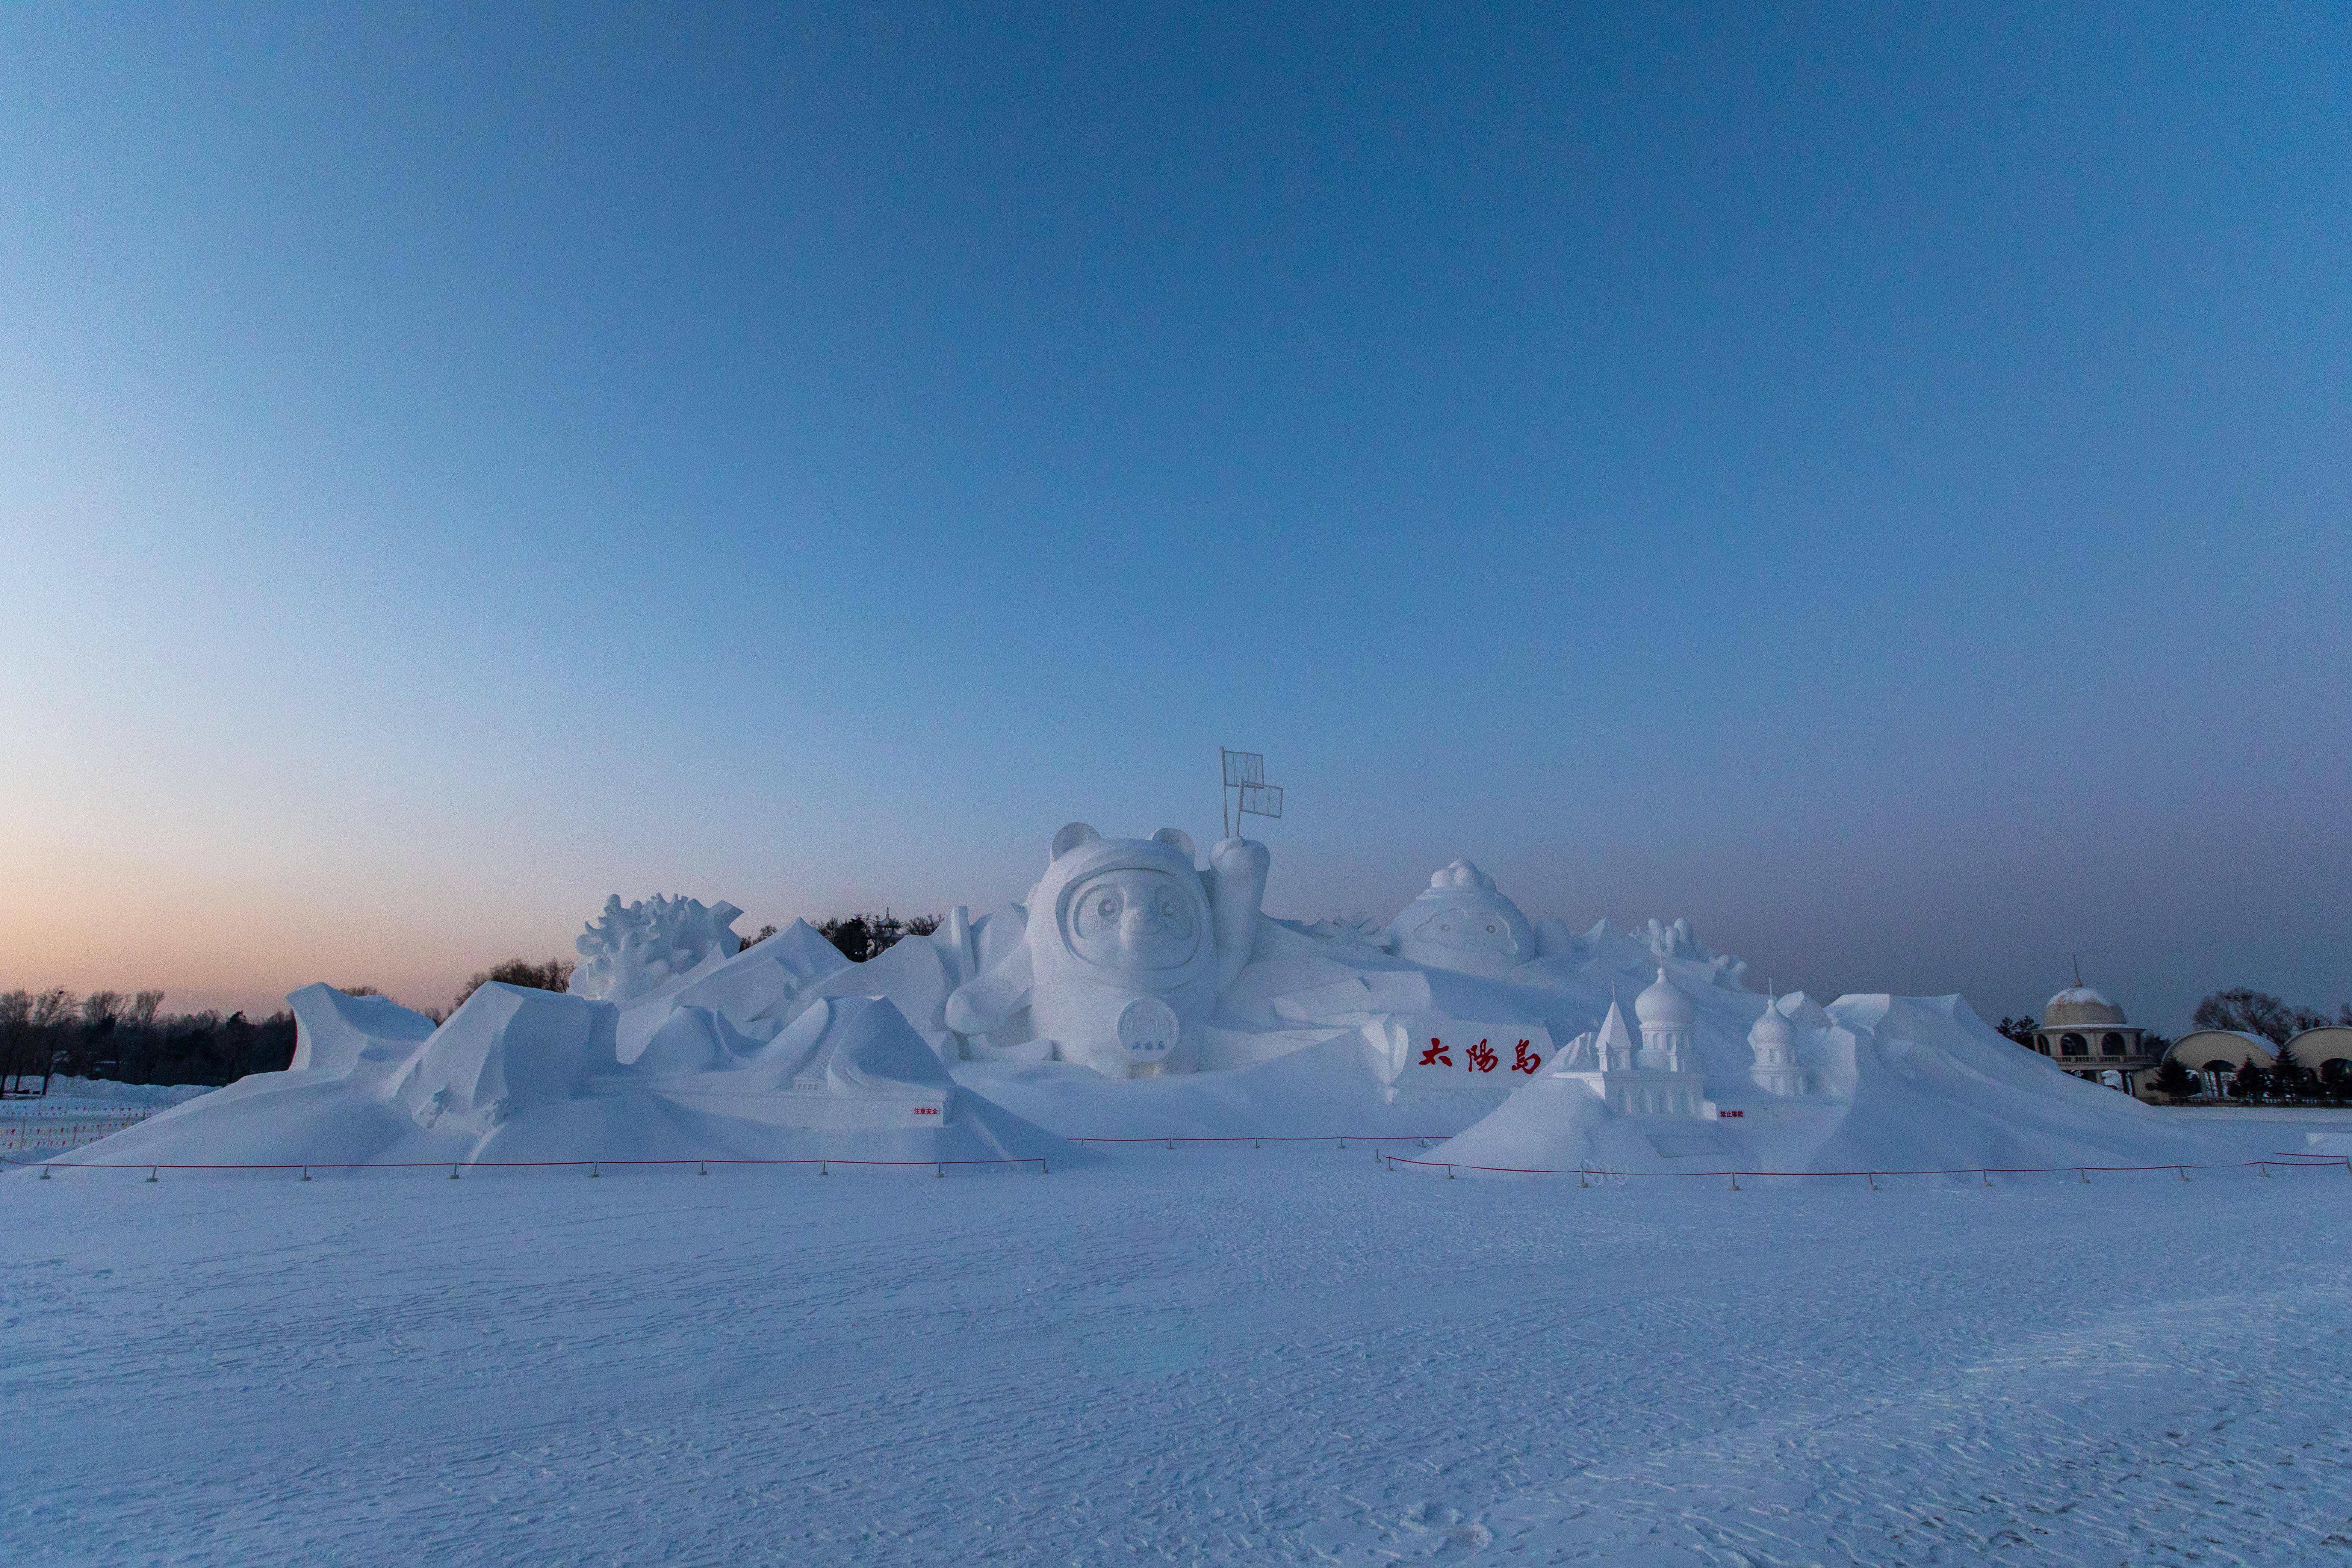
<point>2292,1162</point>
<point>1271,1138</point>
<point>493,1164</point>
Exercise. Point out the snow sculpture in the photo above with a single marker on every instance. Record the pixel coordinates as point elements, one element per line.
<point>1668,942</point>
<point>1774,1042</point>
<point>1125,951</point>
<point>1659,1077</point>
<point>1668,1018</point>
<point>336,1034</point>
<point>509,1050</point>
<point>1460,922</point>
<point>634,949</point>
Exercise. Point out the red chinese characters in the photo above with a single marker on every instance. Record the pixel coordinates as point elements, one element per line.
<point>1436,1053</point>
<point>1526,1060</point>
<point>1479,1059</point>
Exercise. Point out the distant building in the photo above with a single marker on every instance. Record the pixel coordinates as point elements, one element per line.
<point>2086,1034</point>
<point>2216,1055</point>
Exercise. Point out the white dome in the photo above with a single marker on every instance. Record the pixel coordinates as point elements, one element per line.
<point>2080,1006</point>
<point>1773,1028</point>
<point>1664,1004</point>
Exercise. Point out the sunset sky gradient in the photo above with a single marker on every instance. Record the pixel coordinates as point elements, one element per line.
<point>1875,480</point>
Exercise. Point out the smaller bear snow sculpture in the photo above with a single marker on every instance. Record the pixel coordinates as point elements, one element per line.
<point>1126,949</point>
<point>1460,922</point>
<point>634,949</point>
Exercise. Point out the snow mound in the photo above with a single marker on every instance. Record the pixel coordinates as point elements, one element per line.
<point>1897,1083</point>
<point>524,1077</point>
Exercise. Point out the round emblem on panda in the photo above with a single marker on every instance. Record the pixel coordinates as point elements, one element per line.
<point>1148,1028</point>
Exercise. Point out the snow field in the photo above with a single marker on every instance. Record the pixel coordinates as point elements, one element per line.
<point>1220,1355</point>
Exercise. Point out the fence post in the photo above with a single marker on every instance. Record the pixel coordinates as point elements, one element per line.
<point>595,1167</point>
<point>940,1171</point>
<point>2184,1172</point>
<point>1871,1178</point>
<point>1735,1180</point>
<point>453,1172</point>
<point>2266,1171</point>
<point>821,1168</point>
<point>306,1173</point>
<point>2084,1171</point>
<point>1988,1177</point>
<point>1449,1173</point>
<point>701,1168</point>
<point>151,1173</point>
<point>44,1169</point>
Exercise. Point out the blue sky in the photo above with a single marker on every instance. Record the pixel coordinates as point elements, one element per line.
<point>1872,479</point>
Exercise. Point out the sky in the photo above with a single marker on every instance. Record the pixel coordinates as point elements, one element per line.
<point>1872,480</point>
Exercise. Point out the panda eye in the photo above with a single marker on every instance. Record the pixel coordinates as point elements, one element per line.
<point>1108,906</point>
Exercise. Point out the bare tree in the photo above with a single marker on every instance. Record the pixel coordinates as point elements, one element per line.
<point>2251,1012</point>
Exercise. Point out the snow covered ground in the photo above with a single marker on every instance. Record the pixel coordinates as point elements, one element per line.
<point>1213,1355</point>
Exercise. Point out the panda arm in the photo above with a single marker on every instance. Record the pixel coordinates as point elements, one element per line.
<point>981,1004</point>
<point>1236,890</point>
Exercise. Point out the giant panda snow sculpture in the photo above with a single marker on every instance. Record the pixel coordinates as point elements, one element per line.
<point>1126,949</point>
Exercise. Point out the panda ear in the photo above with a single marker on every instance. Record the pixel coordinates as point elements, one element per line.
<point>1070,837</point>
<point>1179,840</point>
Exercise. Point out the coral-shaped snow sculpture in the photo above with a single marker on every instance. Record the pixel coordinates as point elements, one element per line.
<point>632,949</point>
<point>1460,922</point>
<point>1125,949</point>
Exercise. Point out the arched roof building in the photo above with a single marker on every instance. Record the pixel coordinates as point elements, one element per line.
<point>2221,1051</point>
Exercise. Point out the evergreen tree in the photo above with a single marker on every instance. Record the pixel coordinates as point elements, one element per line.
<point>2246,1083</point>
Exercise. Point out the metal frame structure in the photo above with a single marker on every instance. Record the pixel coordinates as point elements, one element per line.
<point>1243,773</point>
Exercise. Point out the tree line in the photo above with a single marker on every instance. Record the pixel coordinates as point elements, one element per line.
<point>129,1039</point>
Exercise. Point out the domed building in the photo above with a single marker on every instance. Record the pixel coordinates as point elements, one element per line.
<point>1660,1076</point>
<point>2084,1033</point>
<point>1773,1042</point>
<point>1668,1018</point>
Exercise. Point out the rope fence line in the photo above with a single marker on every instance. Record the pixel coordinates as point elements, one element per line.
<point>1986,1173</point>
<point>1256,1139</point>
<point>595,1167</point>
<point>1584,1174</point>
